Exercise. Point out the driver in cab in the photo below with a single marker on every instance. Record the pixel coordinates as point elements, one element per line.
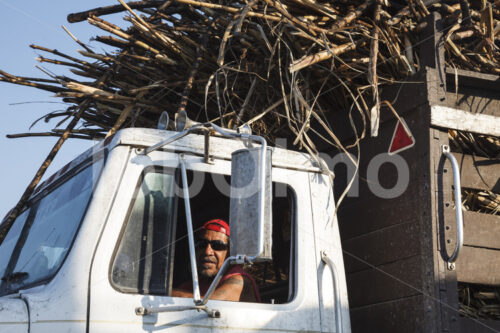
<point>212,247</point>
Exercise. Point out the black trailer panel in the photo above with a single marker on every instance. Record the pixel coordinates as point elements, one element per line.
<point>396,249</point>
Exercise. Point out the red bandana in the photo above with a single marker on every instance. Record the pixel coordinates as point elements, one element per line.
<point>217,225</point>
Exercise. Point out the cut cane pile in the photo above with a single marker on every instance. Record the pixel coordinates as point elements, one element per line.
<point>282,67</point>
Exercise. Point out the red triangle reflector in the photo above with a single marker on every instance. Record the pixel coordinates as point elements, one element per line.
<point>402,138</point>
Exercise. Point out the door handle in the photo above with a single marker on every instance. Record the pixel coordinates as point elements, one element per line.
<point>336,292</point>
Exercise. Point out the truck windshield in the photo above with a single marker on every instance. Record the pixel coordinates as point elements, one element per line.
<point>41,236</point>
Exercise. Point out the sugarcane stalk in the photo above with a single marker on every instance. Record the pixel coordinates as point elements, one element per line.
<point>295,21</point>
<point>82,16</point>
<point>45,134</point>
<point>113,30</point>
<point>372,73</point>
<point>22,82</point>
<point>7,224</point>
<point>165,40</point>
<point>103,58</point>
<point>228,9</point>
<point>192,74</point>
<point>60,54</point>
<point>77,40</point>
<point>462,34</point>
<point>351,16</point>
<point>123,116</point>
<point>487,22</point>
<point>112,41</point>
<point>323,55</point>
<point>466,13</point>
<point>62,63</point>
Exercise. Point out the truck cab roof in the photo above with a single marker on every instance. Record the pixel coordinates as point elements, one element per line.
<point>219,148</point>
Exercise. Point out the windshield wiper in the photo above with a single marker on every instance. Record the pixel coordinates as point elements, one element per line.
<point>15,277</point>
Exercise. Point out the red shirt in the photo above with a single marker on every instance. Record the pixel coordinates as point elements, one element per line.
<point>233,271</point>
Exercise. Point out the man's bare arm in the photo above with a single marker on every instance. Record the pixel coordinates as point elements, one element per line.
<point>230,290</point>
<point>236,288</point>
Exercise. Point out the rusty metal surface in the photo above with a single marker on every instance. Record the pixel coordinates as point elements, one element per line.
<point>481,230</point>
<point>479,326</point>
<point>401,315</point>
<point>479,172</point>
<point>475,92</point>
<point>387,282</point>
<point>479,265</point>
<point>382,247</point>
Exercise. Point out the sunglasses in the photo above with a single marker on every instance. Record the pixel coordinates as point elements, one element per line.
<point>216,245</point>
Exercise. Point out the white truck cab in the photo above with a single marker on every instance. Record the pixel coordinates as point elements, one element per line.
<point>103,241</point>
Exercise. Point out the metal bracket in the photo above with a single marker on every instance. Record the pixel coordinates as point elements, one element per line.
<point>241,260</point>
<point>207,157</point>
<point>142,311</point>
<point>186,126</point>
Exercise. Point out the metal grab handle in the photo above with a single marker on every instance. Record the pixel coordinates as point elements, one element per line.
<point>336,292</point>
<point>458,207</point>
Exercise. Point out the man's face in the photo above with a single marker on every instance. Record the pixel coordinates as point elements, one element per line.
<point>209,261</point>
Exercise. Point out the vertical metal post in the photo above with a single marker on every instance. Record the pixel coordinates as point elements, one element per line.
<point>262,193</point>
<point>192,253</point>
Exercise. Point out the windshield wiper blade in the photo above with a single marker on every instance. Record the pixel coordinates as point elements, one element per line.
<point>15,277</point>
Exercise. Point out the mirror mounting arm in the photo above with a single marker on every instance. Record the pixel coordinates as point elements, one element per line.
<point>233,260</point>
<point>216,280</point>
<point>171,139</point>
<point>192,254</point>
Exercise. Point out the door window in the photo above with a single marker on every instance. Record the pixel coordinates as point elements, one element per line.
<point>152,256</point>
<point>141,263</point>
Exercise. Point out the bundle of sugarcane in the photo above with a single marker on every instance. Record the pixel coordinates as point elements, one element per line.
<point>476,144</point>
<point>479,301</point>
<point>470,42</point>
<point>486,202</point>
<point>279,66</point>
<point>479,145</point>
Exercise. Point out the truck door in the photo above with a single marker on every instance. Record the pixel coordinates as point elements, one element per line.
<point>143,253</point>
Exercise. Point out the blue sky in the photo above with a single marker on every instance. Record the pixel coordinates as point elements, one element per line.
<point>23,23</point>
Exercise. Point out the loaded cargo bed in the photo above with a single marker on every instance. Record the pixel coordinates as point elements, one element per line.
<point>396,249</point>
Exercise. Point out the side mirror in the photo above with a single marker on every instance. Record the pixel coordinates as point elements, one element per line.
<point>251,235</point>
